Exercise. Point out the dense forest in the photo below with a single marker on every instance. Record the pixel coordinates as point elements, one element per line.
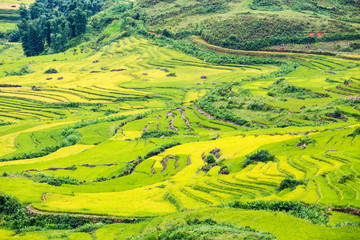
<point>50,25</point>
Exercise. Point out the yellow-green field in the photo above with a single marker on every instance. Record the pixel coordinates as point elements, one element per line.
<point>118,116</point>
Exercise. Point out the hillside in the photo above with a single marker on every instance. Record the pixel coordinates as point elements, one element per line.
<point>182,120</point>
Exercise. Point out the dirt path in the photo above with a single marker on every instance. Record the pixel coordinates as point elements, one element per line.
<point>146,128</point>
<point>171,123</point>
<point>183,117</point>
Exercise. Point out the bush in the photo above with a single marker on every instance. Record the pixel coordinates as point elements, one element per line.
<point>51,70</point>
<point>160,149</point>
<point>255,106</point>
<point>261,156</point>
<point>156,134</point>
<point>210,159</point>
<point>24,70</point>
<point>224,170</point>
<point>346,178</point>
<point>290,183</point>
<point>8,205</point>
<point>305,141</point>
<point>356,132</point>
<point>52,180</point>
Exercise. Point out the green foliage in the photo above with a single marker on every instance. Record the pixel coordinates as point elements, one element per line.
<point>51,70</point>
<point>18,219</point>
<point>282,88</point>
<point>156,134</point>
<point>24,70</point>
<point>224,170</point>
<point>207,104</point>
<point>257,106</point>
<point>290,183</point>
<point>255,32</point>
<point>89,227</point>
<point>356,132</point>
<point>52,180</point>
<point>5,123</point>
<point>305,141</point>
<point>312,213</point>
<point>52,24</point>
<point>160,149</point>
<point>8,205</point>
<point>210,159</point>
<point>345,178</point>
<point>270,5</point>
<point>203,53</point>
<point>334,8</point>
<point>260,156</point>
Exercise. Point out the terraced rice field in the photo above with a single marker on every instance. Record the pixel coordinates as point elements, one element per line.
<point>106,112</point>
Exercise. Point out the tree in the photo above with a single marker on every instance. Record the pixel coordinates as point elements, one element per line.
<point>79,21</point>
<point>52,23</point>
<point>23,12</point>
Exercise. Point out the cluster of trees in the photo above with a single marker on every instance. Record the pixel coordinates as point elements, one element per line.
<point>51,24</point>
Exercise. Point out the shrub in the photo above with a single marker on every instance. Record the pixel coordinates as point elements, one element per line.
<point>210,159</point>
<point>356,132</point>
<point>51,70</point>
<point>305,141</point>
<point>89,227</point>
<point>52,180</point>
<point>337,113</point>
<point>289,183</point>
<point>255,106</point>
<point>156,134</point>
<point>8,205</point>
<point>260,156</point>
<point>171,74</point>
<point>346,178</point>
<point>24,70</point>
<point>160,149</point>
<point>224,170</point>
